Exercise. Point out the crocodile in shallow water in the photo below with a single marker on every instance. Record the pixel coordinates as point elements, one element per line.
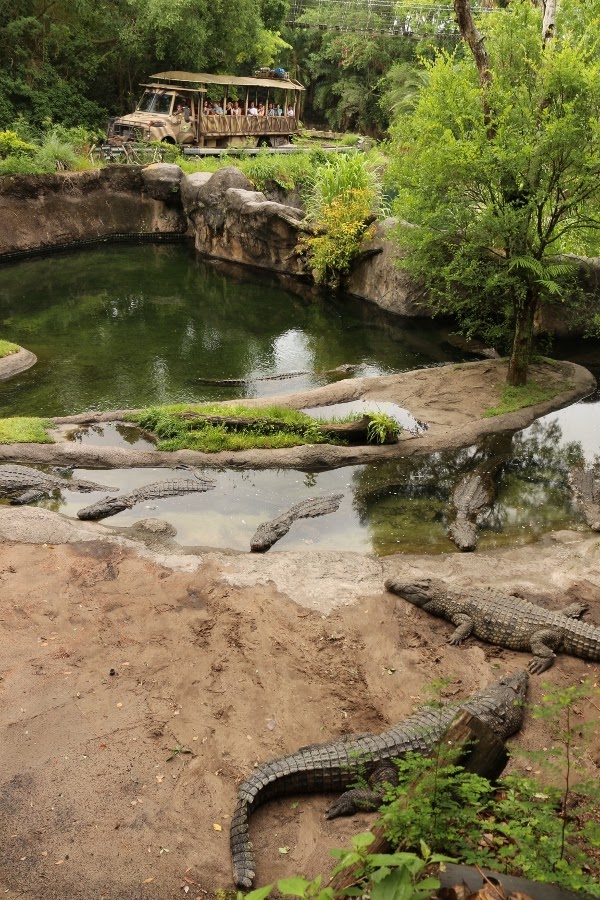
<point>475,493</point>
<point>269,533</point>
<point>508,621</point>
<point>174,487</point>
<point>25,485</point>
<point>337,764</point>
<point>585,485</point>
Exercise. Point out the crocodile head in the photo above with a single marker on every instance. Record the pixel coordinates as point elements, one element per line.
<point>501,704</point>
<point>417,592</point>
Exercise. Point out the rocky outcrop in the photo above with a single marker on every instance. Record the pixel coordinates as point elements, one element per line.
<point>39,212</point>
<point>233,222</point>
<point>17,362</point>
<point>162,180</point>
<point>376,276</point>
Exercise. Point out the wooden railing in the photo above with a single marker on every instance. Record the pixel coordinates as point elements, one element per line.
<point>220,125</point>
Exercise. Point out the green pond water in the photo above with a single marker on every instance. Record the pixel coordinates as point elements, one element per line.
<point>128,326</point>
<point>134,325</point>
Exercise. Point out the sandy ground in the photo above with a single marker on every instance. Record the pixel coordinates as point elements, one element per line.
<point>116,650</point>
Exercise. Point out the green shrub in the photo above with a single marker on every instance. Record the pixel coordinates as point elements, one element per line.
<point>340,177</point>
<point>54,149</point>
<point>11,145</point>
<point>382,428</point>
<point>342,226</point>
<point>19,165</point>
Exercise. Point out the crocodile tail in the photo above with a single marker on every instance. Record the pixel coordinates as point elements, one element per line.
<point>582,639</point>
<point>313,769</point>
<point>241,846</point>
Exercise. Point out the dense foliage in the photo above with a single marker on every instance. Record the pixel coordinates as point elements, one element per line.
<point>346,74</point>
<point>75,63</point>
<point>501,178</point>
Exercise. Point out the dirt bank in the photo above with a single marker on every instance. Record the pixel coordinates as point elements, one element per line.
<point>116,651</point>
<point>451,400</point>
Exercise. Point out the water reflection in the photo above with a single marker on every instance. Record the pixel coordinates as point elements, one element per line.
<point>134,325</point>
<point>395,506</point>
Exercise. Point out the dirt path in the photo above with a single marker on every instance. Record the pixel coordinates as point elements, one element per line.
<point>115,652</point>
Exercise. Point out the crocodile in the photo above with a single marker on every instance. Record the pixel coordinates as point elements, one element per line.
<point>173,487</point>
<point>269,533</point>
<point>585,485</point>
<point>475,493</point>
<point>25,485</point>
<point>505,620</point>
<point>337,764</point>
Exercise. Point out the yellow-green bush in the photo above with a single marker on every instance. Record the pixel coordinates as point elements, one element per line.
<point>342,225</point>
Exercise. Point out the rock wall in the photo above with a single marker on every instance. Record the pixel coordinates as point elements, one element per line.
<point>233,222</point>
<point>228,220</point>
<point>377,278</point>
<point>39,212</point>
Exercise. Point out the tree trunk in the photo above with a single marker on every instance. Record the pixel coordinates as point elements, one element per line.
<point>521,349</point>
<point>471,36</point>
<point>468,742</point>
<point>549,20</point>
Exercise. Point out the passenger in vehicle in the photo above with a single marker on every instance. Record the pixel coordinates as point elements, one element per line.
<point>236,111</point>
<point>229,109</point>
<point>279,110</point>
<point>217,108</point>
<point>271,110</point>
<point>261,109</point>
<point>252,111</point>
<point>290,111</point>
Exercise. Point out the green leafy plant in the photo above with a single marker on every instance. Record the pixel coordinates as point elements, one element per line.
<point>381,876</point>
<point>179,750</point>
<point>382,429</point>
<point>388,875</point>
<point>12,145</point>
<point>341,228</point>
<point>340,177</point>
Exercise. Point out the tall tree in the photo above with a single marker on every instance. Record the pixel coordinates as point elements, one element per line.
<point>499,172</point>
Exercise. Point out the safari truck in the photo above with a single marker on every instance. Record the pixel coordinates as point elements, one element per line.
<point>201,110</point>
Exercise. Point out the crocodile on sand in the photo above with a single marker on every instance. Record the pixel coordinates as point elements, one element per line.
<point>505,620</point>
<point>25,485</point>
<point>335,765</point>
<point>174,487</point>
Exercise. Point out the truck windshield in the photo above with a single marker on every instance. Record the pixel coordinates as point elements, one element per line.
<point>156,103</point>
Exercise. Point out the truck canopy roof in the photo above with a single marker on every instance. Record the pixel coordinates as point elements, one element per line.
<point>198,79</point>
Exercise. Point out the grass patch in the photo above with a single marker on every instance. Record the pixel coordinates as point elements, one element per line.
<point>25,430</point>
<point>6,348</point>
<point>289,428</point>
<point>514,398</point>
